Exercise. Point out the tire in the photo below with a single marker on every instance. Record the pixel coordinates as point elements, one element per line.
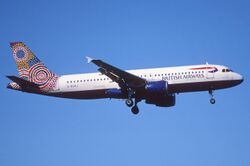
<point>135,110</point>
<point>212,101</point>
<point>129,102</point>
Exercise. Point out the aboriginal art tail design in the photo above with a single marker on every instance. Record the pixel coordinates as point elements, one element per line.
<point>30,68</point>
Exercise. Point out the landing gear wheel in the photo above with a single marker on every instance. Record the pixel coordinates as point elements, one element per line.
<point>135,110</point>
<point>129,102</point>
<point>212,101</point>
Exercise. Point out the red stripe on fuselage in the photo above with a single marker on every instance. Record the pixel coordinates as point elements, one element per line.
<point>203,68</point>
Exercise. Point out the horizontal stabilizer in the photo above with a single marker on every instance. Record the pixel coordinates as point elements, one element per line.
<point>22,82</point>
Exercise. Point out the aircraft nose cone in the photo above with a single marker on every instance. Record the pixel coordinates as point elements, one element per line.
<point>240,78</point>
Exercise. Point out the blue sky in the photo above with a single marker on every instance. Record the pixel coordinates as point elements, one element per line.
<point>38,130</point>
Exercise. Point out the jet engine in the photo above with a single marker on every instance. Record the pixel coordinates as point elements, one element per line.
<point>162,100</point>
<point>157,94</point>
<point>156,87</point>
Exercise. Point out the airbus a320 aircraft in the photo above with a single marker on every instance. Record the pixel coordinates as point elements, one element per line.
<point>156,86</point>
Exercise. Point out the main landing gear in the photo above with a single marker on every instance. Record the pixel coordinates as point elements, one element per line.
<point>130,103</point>
<point>212,99</point>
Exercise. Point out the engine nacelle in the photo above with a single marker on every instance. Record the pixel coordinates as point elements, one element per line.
<point>156,87</point>
<point>162,100</point>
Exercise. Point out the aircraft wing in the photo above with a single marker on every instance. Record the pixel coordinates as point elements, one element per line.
<point>23,83</point>
<point>123,78</point>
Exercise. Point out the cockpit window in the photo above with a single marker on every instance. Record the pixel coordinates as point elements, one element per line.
<point>227,70</point>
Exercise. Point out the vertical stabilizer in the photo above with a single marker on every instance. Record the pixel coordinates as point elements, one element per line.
<point>30,68</point>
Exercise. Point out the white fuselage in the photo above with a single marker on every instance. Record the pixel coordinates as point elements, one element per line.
<point>183,75</point>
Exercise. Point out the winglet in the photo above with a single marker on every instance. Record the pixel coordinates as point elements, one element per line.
<point>89,59</point>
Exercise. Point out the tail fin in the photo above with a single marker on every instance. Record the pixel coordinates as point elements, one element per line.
<point>30,68</point>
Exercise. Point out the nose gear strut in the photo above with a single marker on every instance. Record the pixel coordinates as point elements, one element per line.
<point>212,99</point>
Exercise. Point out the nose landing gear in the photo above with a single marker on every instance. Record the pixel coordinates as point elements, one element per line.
<point>212,99</point>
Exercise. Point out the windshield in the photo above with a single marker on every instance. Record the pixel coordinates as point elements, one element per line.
<point>227,70</point>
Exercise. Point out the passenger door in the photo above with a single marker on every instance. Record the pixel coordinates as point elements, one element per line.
<point>209,73</point>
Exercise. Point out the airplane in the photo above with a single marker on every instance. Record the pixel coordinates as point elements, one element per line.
<point>157,86</point>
